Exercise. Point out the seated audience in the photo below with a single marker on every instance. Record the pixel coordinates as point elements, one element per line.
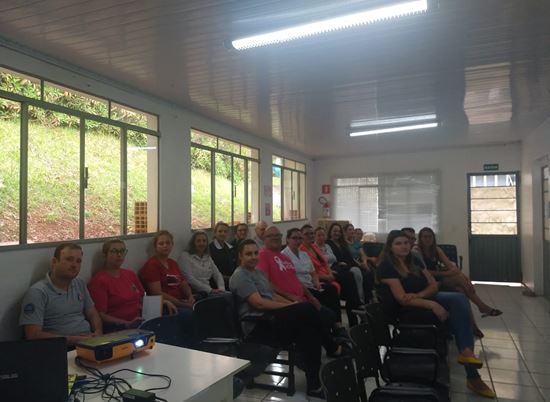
<point>259,231</point>
<point>340,248</point>
<point>281,274</point>
<point>354,243</point>
<point>241,233</point>
<point>59,304</point>
<point>337,267</point>
<point>117,292</point>
<point>412,285</point>
<point>221,251</point>
<point>291,321</point>
<point>449,275</point>
<point>308,277</point>
<point>199,269</point>
<point>161,275</point>
<point>343,281</point>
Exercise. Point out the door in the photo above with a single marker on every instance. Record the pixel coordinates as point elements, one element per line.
<point>493,227</point>
<point>546,228</point>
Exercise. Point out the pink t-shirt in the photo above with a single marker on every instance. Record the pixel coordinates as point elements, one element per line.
<point>280,272</point>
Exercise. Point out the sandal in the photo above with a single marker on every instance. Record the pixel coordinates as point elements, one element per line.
<point>494,312</point>
<point>478,333</point>
<point>471,361</point>
<point>479,387</point>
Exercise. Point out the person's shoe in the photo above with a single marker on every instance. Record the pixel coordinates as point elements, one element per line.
<point>478,333</point>
<point>494,312</point>
<point>471,361</point>
<point>316,393</point>
<point>479,387</point>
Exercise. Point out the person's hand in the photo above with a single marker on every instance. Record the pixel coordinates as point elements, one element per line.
<point>171,307</point>
<point>407,297</point>
<point>440,312</point>
<point>135,322</point>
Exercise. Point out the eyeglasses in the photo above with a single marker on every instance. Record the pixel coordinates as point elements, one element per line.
<point>120,251</point>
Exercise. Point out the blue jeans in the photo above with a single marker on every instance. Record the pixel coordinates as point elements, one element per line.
<point>460,321</point>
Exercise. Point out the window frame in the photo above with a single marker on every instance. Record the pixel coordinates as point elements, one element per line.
<point>292,170</point>
<point>124,127</point>
<point>213,151</point>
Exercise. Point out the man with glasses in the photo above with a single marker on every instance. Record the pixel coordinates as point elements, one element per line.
<point>411,235</point>
<point>60,305</point>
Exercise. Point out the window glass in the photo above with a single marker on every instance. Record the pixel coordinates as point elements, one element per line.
<point>302,197</point>
<point>239,191</point>
<point>229,146</point>
<point>75,100</point>
<point>142,182</point>
<point>201,184</point>
<point>253,192</point>
<point>198,137</point>
<point>133,116</point>
<point>10,141</point>
<point>21,84</point>
<point>277,160</point>
<point>103,190</point>
<point>223,188</point>
<point>53,197</point>
<point>287,194</point>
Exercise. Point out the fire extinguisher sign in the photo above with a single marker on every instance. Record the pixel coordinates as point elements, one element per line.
<point>325,189</point>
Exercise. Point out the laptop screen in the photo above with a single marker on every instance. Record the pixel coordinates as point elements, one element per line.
<point>34,370</point>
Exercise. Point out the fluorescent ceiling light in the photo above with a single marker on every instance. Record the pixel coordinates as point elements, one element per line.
<point>332,24</point>
<point>393,129</point>
<point>393,121</point>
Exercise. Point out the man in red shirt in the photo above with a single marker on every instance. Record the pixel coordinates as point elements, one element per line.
<point>281,274</point>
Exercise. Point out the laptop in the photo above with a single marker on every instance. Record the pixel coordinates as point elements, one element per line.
<point>34,371</point>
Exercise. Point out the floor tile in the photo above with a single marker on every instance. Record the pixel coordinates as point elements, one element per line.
<point>512,377</point>
<point>517,392</point>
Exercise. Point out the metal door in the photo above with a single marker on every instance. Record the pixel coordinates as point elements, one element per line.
<point>493,227</point>
<point>546,228</point>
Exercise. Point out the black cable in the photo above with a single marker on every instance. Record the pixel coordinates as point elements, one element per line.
<point>110,386</point>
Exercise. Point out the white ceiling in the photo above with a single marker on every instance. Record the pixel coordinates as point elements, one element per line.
<point>482,66</point>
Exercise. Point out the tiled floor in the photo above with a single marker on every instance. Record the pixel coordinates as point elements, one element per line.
<point>515,350</point>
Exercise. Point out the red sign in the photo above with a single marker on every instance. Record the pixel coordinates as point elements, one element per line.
<point>325,189</point>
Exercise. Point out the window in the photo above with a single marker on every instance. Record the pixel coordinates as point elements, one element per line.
<point>224,181</point>
<point>289,189</point>
<point>382,203</point>
<point>67,170</point>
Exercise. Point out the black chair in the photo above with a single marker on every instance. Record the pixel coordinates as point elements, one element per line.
<point>218,329</point>
<point>168,329</point>
<point>451,252</point>
<point>373,249</point>
<point>339,381</point>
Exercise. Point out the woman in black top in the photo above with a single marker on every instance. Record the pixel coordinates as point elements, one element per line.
<point>345,261</point>
<point>447,273</point>
<point>222,252</point>
<point>412,285</point>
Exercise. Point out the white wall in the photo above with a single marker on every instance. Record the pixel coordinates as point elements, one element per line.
<point>534,155</point>
<point>453,165</point>
<point>20,268</point>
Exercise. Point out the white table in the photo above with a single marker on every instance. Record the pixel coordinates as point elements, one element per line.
<point>196,376</point>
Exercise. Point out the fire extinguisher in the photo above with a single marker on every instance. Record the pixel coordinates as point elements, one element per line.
<point>326,207</point>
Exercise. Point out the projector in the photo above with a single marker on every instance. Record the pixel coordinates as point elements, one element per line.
<point>115,345</point>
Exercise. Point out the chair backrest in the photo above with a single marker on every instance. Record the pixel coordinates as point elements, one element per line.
<point>365,351</point>
<point>373,249</point>
<point>339,381</point>
<point>450,251</point>
<point>168,329</point>
<point>215,317</point>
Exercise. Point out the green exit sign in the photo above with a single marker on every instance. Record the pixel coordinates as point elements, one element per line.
<point>490,167</point>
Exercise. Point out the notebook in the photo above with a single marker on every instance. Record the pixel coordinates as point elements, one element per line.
<point>34,371</point>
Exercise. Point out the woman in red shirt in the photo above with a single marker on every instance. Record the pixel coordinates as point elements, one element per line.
<point>161,275</point>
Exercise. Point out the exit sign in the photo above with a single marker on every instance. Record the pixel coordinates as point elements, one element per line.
<point>490,167</point>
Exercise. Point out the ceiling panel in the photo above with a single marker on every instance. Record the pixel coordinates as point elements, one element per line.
<point>482,66</point>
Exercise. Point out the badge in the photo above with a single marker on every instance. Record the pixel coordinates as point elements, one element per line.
<point>29,308</point>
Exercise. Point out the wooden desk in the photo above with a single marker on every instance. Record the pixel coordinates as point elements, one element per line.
<point>196,376</point>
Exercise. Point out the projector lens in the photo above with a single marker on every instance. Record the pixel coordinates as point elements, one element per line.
<point>139,343</point>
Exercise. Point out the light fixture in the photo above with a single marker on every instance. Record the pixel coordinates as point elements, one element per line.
<point>332,24</point>
<point>392,125</point>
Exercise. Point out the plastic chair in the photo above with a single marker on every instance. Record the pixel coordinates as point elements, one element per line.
<point>339,381</point>
<point>451,252</point>
<point>168,329</point>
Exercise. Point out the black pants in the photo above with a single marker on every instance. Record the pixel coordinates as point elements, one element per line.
<point>300,324</point>
<point>349,292</point>
<point>329,298</point>
<point>368,284</point>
